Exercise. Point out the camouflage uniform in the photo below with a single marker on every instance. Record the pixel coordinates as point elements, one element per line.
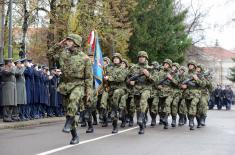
<point>104,96</point>
<point>127,107</point>
<point>192,95</point>
<point>177,95</point>
<point>165,93</point>
<point>153,101</point>
<point>141,89</point>
<point>202,105</point>
<point>182,108</point>
<point>124,99</point>
<point>116,77</point>
<point>76,82</point>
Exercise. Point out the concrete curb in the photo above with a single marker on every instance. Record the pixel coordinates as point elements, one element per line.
<point>37,122</point>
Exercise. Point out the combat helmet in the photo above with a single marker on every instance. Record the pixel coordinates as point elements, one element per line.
<point>168,61</point>
<point>201,66</point>
<point>117,55</point>
<point>107,59</point>
<point>126,62</point>
<point>155,63</point>
<point>176,65</point>
<point>143,54</point>
<point>76,38</point>
<point>183,68</point>
<point>192,62</point>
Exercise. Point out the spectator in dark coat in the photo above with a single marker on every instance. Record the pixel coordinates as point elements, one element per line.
<point>29,84</point>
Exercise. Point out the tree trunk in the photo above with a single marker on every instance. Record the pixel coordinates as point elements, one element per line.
<point>25,26</point>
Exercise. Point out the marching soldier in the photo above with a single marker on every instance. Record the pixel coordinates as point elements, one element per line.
<point>141,87</point>
<point>76,82</point>
<point>154,100</point>
<point>176,92</point>
<point>182,105</point>
<point>165,91</point>
<point>115,76</point>
<point>103,90</point>
<point>202,106</point>
<point>192,93</point>
<point>122,105</point>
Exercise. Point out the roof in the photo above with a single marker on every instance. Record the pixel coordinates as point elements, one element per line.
<point>218,52</point>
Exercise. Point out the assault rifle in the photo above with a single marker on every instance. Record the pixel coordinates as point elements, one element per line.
<point>137,78</point>
<point>164,81</point>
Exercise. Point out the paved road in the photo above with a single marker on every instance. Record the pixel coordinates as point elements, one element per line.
<point>217,138</point>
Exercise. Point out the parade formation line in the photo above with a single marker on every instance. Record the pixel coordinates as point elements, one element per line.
<point>85,141</point>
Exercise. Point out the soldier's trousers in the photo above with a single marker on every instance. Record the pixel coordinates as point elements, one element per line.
<point>116,98</point>
<point>192,105</point>
<point>175,104</point>
<point>72,102</point>
<point>165,104</point>
<point>123,102</point>
<point>154,105</point>
<point>182,107</point>
<point>127,104</point>
<point>104,100</point>
<point>202,105</point>
<point>141,101</point>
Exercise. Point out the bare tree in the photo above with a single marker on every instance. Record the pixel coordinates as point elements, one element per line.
<point>194,21</point>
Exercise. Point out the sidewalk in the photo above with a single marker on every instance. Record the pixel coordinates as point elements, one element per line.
<point>36,122</point>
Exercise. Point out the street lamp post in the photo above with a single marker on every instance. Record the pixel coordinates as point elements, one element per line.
<point>2,31</point>
<point>10,30</point>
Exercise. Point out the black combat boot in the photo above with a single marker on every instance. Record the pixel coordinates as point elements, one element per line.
<point>95,122</point>
<point>123,124</point>
<point>161,119</point>
<point>165,121</point>
<point>191,122</point>
<point>68,124</point>
<point>181,120</point>
<point>90,127</point>
<point>81,114</point>
<point>101,115</point>
<point>82,119</point>
<point>141,130</point>
<point>203,120</point>
<point>141,122</point>
<point>153,117</point>
<point>185,119</point>
<point>105,121</point>
<point>146,117</point>
<point>198,122</point>
<point>75,137</point>
<point>109,118</point>
<point>173,123</point>
<point>115,126</point>
<point>131,122</point>
<point>122,118</point>
<point>140,117</point>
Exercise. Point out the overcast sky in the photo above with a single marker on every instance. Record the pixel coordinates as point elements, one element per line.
<point>218,21</point>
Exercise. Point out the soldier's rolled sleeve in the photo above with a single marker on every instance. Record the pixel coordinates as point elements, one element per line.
<point>88,78</point>
<point>54,52</point>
